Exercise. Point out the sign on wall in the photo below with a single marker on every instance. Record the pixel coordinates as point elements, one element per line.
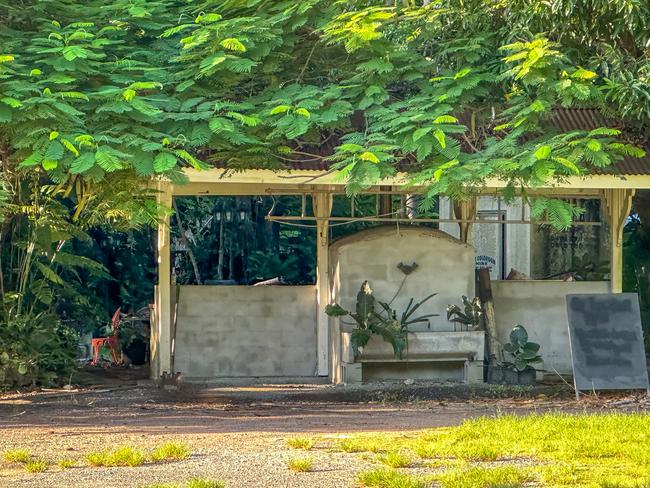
<point>606,341</point>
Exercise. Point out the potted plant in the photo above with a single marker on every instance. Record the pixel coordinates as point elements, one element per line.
<point>368,321</point>
<point>519,370</point>
<point>469,316</point>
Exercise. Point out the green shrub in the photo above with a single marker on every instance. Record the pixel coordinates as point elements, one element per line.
<point>171,451</point>
<point>36,349</point>
<point>16,455</point>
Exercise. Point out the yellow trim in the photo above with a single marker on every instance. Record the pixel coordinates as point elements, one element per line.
<point>221,182</point>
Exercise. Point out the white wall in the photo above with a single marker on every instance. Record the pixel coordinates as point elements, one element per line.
<point>238,331</point>
<point>445,267</point>
<point>540,306</point>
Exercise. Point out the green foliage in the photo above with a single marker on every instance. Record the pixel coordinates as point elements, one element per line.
<point>524,354</point>
<point>460,94</point>
<point>36,349</point>
<point>265,265</point>
<point>469,315</point>
<point>384,323</point>
<point>35,466</point>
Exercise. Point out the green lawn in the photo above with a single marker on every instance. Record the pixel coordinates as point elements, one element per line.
<point>599,451</point>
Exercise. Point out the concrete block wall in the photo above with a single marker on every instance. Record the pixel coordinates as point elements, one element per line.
<point>445,267</point>
<point>540,306</point>
<point>240,331</point>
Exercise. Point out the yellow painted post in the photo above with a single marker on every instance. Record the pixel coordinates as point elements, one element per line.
<point>465,210</point>
<point>617,203</point>
<point>322,203</point>
<point>163,295</point>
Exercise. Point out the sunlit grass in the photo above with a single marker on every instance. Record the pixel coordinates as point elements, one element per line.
<point>35,466</point>
<point>16,455</point>
<point>395,459</point>
<point>389,478</point>
<point>193,483</point>
<point>553,450</point>
<point>171,451</point>
<point>65,463</point>
<point>122,456</point>
<point>305,443</point>
<point>301,465</point>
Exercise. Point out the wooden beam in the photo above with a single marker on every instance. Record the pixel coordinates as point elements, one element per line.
<point>322,203</point>
<point>307,179</point>
<point>617,204</point>
<point>163,297</point>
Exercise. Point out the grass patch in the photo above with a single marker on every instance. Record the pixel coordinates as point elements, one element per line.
<point>66,463</point>
<point>559,450</point>
<point>35,466</point>
<point>395,459</point>
<point>389,478</point>
<point>122,456</point>
<point>193,483</point>
<point>16,455</point>
<point>488,477</point>
<point>305,443</point>
<point>301,465</point>
<point>171,451</point>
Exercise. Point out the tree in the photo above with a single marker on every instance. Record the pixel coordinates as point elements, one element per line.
<point>108,89</point>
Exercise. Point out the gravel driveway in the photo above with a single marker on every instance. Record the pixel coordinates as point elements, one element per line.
<point>237,437</point>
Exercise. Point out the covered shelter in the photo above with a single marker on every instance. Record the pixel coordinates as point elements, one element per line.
<point>222,332</point>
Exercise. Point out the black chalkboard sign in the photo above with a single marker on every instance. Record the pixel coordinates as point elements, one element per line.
<point>606,342</point>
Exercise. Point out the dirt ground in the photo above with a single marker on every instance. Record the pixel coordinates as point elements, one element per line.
<point>238,435</point>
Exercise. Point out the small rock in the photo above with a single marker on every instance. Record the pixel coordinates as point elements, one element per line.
<point>409,381</point>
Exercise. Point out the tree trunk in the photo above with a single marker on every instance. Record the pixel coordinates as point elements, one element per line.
<point>485,294</point>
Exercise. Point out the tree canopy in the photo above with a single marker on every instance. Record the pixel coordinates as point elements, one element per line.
<point>457,91</point>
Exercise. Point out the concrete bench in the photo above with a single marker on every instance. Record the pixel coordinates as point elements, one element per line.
<point>423,348</point>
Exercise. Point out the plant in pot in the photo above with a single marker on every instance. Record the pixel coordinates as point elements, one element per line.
<point>520,370</point>
<point>469,316</point>
<point>368,321</point>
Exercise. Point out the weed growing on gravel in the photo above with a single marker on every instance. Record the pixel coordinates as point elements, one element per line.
<point>35,466</point>
<point>17,455</point>
<point>389,478</point>
<point>65,463</point>
<point>171,451</point>
<point>122,456</point>
<point>193,483</point>
<point>301,465</point>
<point>305,443</point>
<point>395,459</point>
<point>200,483</point>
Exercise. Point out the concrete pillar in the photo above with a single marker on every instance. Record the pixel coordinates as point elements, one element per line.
<point>617,203</point>
<point>322,203</point>
<point>162,360</point>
